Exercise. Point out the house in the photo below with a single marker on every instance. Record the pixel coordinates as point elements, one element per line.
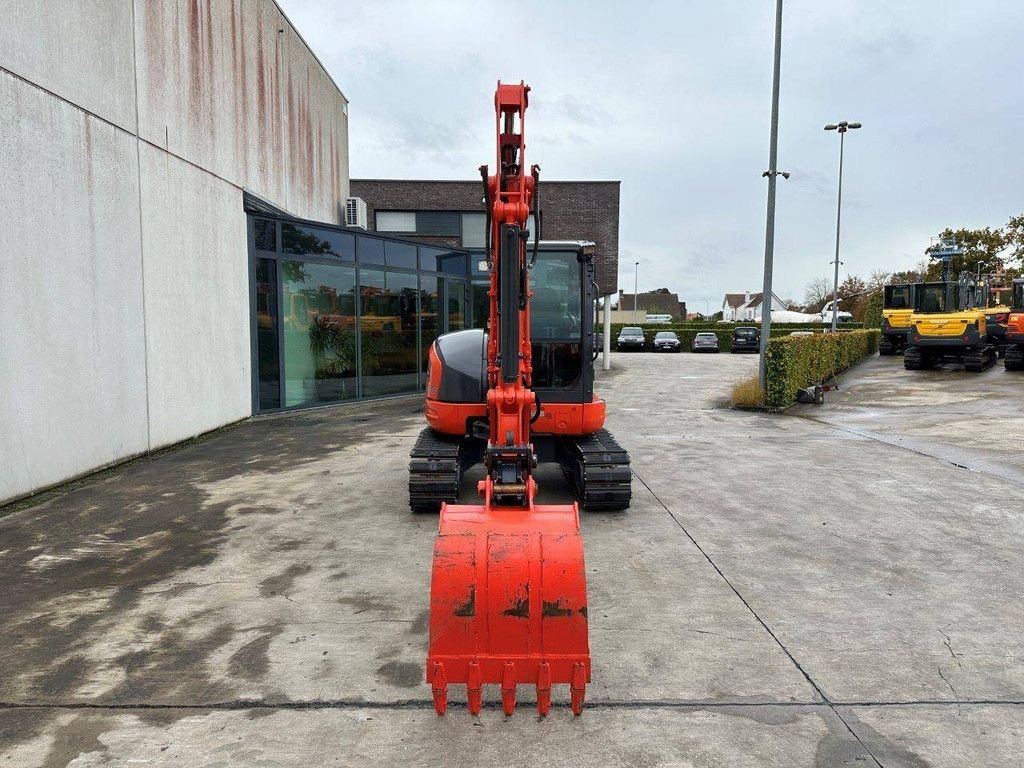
<point>658,302</point>
<point>746,306</point>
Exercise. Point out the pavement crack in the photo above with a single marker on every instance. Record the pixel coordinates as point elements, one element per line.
<point>949,646</point>
<point>946,681</point>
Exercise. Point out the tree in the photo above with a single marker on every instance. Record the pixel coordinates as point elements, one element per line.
<point>873,310</point>
<point>816,293</point>
<point>981,248</point>
<point>877,279</point>
<point>853,296</point>
<point>1014,234</point>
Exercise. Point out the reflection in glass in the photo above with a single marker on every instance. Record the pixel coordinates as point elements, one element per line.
<point>319,332</point>
<point>455,297</point>
<point>388,326</point>
<point>399,254</point>
<point>481,304</point>
<point>371,250</point>
<point>314,241</point>
<point>430,258</point>
<point>430,306</point>
<point>266,234</point>
<point>268,368</point>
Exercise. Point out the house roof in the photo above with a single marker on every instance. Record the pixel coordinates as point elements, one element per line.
<point>740,301</point>
<point>735,300</point>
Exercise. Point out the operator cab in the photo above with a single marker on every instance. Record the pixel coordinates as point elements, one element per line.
<point>561,320</point>
<point>898,297</point>
<point>933,298</point>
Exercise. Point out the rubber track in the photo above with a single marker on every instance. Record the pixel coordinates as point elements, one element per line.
<point>977,359</point>
<point>606,482</point>
<point>1014,360</point>
<point>912,359</point>
<point>434,471</point>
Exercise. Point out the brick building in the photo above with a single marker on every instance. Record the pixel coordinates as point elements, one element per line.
<point>450,213</point>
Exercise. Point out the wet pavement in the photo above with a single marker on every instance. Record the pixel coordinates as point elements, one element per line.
<point>839,585</point>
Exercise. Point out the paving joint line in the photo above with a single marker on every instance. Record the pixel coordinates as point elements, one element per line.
<point>427,704</point>
<point>749,607</point>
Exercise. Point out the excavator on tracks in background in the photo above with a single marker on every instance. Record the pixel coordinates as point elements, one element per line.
<point>949,321</point>
<point>949,324</point>
<point>897,306</point>
<point>508,596</point>
<point>1014,359</point>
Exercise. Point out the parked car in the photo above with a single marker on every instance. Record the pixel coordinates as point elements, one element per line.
<point>659,319</point>
<point>746,338</point>
<point>705,342</point>
<point>666,341</point>
<point>802,333</point>
<point>630,338</point>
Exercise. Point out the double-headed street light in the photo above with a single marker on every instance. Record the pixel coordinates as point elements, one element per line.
<point>842,128</point>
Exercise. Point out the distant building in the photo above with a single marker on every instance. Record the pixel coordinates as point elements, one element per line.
<point>741,307</point>
<point>659,302</point>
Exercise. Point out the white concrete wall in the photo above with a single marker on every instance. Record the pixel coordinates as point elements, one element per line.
<point>72,356</point>
<point>127,133</point>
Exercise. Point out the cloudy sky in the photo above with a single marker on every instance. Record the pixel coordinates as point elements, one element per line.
<point>673,99</point>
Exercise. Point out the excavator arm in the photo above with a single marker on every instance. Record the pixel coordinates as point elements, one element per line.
<point>508,601</point>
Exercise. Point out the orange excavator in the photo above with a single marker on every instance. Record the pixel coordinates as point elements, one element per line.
<point>508,593</point>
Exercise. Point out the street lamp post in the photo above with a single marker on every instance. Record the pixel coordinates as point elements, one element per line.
<point>636,277</point>
<point>769,228</point>
<point>842,127</point>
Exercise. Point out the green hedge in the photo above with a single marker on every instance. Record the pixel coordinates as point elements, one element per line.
<point>724,334</point>
<point>794,362</point>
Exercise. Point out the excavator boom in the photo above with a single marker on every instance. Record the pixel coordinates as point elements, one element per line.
<point>508,598</point>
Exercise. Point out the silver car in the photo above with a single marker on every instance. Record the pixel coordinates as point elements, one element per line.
<point>705,342</point>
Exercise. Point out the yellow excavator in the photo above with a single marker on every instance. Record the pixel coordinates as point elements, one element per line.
<point>897,306</point>
<point>949,324</point>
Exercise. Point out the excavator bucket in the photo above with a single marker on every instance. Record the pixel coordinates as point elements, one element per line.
<point>508,604</point>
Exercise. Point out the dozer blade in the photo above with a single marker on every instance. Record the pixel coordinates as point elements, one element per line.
<point>508,604</point>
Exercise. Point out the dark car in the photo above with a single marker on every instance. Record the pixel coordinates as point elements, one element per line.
<point>630,338</point>
<point>705,342</point>
<point>746,339</point>
<point>666,341</point>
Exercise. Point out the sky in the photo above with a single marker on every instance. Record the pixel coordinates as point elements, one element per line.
<point>673,99</point>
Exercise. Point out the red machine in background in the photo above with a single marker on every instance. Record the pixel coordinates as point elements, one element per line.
<point>508,598</point>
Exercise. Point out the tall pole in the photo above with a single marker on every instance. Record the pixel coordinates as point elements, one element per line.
<point>636,278</point>
<point>769,230</point>
<point>839,212</point>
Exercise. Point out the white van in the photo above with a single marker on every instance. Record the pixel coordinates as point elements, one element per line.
<point>659,319</point>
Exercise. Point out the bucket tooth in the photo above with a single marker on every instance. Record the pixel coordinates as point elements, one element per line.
<point>577,689</point>
<point>508,689</point>
<point>439,687</point>
<point>474,688</point>
<point>544,689</point>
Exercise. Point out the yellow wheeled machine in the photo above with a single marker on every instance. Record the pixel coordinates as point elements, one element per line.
<point>897,306</point>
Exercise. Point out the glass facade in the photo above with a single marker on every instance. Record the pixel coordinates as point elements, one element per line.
<point>341,315</point>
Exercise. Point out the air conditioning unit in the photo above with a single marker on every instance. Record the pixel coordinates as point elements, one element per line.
<point>355,212</point>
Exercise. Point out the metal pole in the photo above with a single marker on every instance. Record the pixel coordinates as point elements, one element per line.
<point>769,230</point>
<point>606,342</point>
<point>636,277</point>
<point>839,211</point>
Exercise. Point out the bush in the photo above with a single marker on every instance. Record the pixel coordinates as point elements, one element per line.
<point>794,362</point>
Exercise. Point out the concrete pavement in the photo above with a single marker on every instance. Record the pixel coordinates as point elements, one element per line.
<point>784,591</point>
